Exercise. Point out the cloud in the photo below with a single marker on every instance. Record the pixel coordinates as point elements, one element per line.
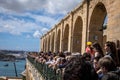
<point>28,36</point>
<point>56,6</point>
<point>17,16</point>
<point>17,26</point>
<point>49,21</point>
<point>37,34</point>
<point>44,30</point>
<point>22,5</point>
<point>61,6</point>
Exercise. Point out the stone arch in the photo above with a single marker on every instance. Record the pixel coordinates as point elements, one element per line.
<point>77,35</point>
<point>58,40</point>
<point>66,38</point>
<point>52,42</point>
<point>96,28</point>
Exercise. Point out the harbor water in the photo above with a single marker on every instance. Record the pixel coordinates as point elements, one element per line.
<point>7,68</point>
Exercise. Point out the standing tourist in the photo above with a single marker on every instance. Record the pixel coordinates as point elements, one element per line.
<point>109,69</point>
<point>89,49</point>
<point>110,49</point>
<point>97,49</point>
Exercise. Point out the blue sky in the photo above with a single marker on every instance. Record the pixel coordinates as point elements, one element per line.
<point>23,22</point>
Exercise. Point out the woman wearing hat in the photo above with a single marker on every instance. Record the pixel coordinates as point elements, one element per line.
<point>89,49</point>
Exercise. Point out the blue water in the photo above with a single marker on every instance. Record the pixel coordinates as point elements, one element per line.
<point>10,69</point>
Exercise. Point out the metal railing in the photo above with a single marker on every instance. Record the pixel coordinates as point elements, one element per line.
<point>46,72</point>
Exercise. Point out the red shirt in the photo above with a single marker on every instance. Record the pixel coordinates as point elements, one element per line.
<point>89,50</point>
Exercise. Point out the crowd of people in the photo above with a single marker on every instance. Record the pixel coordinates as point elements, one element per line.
<point>93,64</point>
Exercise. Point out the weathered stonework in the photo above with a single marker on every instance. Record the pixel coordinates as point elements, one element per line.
<point>32,73</point>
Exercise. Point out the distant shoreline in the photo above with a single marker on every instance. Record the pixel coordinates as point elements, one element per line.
<point>8,55</point>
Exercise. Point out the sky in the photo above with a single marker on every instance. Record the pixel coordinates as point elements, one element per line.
<point>23,22</point>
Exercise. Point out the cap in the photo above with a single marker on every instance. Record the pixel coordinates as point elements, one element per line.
<point>89,43</point>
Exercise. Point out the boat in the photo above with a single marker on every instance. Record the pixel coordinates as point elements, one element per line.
<point>6,65</point>
<point>16,60</point>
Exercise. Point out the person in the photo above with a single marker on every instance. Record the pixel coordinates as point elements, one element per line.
<point>97,67</point>
<point>89,49</point>
<point>109,69</point>
<point>95,63</point>
<point>63,63</point>
<point>97,49</point>
<point>86,56</point>
<point>110,49</point>
<point>79,69</point>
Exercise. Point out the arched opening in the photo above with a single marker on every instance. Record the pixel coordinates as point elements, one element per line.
<point>98,24</point>
<point>48,43</point>
<point>77,35</point>
<point>52,43</point>
<point>65,38</point>
<point>58,41</point>
<point>45,47</point>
